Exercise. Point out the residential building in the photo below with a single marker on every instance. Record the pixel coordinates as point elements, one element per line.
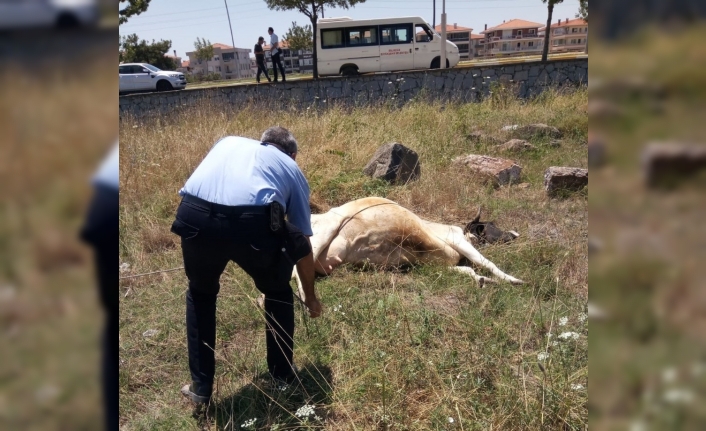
<point>461,36</point>
<point>176,58</point>
<point>228,62</point>
<point>514,37</point>
<point>294,61</point>
<point>184,67</point>
<point>569,35</point>
<point>477,48</point>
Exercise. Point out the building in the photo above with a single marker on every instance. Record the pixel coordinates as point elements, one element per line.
<point>514,37</point>
<point>184,67</point>
<point>461,36</point>
<point>477,46</point>
<point>299,61</point>
<point>228,62</point>
<point>569,35</point>
<point>175,58</point>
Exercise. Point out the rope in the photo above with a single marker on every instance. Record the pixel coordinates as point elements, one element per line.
<point>150,273</point>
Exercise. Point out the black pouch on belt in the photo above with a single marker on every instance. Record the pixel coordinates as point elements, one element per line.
<point>277,218</point>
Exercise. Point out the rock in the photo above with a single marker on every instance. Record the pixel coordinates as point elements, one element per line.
<point>480,137</point>
<point>498,171</point>
<point>558,179</point>
<point>596,150</point>
<point>667,164</point>
<point>394,163</point>
<point>515,145</point>
<point>532,130</point>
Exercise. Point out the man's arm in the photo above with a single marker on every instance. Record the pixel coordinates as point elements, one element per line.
<point>305,270</point>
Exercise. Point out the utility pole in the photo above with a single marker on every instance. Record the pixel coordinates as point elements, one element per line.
<point>442,65</point>
<point>231,35</point>
<point>433,20</point>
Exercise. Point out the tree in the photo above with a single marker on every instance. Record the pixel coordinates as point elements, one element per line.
<point>311,8</point>
<point>133,7</point>
<point>583,10</point>
<point>204,50</point>
<point>300,37</point>
<point>548,31</point>
<point>135,50</point>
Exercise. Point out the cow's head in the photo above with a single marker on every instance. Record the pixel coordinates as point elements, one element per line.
<point>487,232</point>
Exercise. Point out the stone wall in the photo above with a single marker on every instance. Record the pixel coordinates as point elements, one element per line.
<point>465,84</point>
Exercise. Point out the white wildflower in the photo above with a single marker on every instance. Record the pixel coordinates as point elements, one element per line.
<point>583,317</point>
<point>638,425</point>
<point>305,411</point>
<point>451,420</point>
<point>124,267</point>
<point>541,356</point>
<point>317,418</point>
<point>248,423</point>
<point>563,321</point>
<point>669,375</point>
<point>576,386</point>
<point>567,335</point>
<point>554,343</point>
<point>678,396</point>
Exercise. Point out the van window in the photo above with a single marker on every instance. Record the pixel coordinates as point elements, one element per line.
<point>331,38</point>
<point>423,33</point>
<point>395,34</point>
<point>123,69</point>
<point>362,36</point>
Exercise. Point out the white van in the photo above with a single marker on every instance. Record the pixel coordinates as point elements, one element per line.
<point>345,46</point>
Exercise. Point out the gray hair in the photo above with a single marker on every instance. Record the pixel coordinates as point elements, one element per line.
<point>280,136</point>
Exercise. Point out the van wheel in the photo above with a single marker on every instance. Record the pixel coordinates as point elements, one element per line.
<point>164,86</point>
<point>349,71</point>
<point>436,63</point>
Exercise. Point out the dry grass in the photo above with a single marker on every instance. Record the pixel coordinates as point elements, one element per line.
<point>394,350</point>
<point>56,126</point>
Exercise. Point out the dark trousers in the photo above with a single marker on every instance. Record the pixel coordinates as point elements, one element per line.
<point>261,68</point>
<point>101,232</point>
<point>211,238</point>
<point>276,61</point>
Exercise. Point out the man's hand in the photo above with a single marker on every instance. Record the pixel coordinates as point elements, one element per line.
<point>314,307</point>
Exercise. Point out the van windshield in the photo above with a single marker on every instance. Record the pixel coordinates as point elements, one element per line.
<point>433,30</point>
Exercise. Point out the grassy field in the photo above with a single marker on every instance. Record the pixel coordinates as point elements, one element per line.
<point>424,349</point>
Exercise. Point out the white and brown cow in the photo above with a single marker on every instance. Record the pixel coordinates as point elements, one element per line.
<point>381,232</point>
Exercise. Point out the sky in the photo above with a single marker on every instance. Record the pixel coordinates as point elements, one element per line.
<point>182,21</point>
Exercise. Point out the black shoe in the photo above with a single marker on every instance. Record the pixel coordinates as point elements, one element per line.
<point>275,80</point>
<point>197,399</point>
<point>281,383</point>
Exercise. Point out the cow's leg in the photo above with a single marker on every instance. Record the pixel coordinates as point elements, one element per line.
<point>465,248</point>
<point>468,270</point>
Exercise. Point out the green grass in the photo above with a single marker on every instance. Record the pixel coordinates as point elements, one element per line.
<point>393,350</point>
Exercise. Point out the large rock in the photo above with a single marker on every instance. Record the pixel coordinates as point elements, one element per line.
<point>558,179</point>
<point>668,164</point>
<point>532,130</point>
<point>394,163</point>
<point>498,171</point>
<point>515,146</point>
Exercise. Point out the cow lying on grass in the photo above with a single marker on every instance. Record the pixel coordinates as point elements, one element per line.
<point>380,232</point>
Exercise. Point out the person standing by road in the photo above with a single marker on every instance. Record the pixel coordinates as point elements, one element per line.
<point>233,208</point>
<point>275,52</point>
<point>260,60</point>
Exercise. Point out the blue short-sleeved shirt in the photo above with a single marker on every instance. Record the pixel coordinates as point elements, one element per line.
<point>108,173</point>
<point>241,171</point>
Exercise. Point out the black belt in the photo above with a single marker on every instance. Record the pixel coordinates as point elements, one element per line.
<point>227,209</point>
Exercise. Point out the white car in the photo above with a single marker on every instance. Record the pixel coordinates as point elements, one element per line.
<point>145,77</point>
<point>21,14</point>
